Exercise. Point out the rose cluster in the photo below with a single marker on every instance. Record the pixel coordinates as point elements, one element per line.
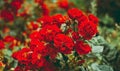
<point>57,34</point>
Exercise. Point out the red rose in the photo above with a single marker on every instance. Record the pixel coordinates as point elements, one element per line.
<point>2,45</point>
<point>37,60</point>
<point>23,56</point>
<point>16,4</point>
<point>40,49</point>
<point>63,43</point>
<point>74,13</point>
<point>36,35</point>
<point>45,20</point>
<point>49,32</point>
<point>63,4</point>
<point>7,15</point>
<point>82,48</point>
<point>87,30</point>
<point>59,19</point>
<point>93,18</point>
<point>10,40</point>
<point>83,19</point>
<point>35,43</point>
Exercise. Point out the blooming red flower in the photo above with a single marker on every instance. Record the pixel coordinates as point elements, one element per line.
<point>87,30</point>
<point>7,15</point>
<point>82,48</point>
<point>83,19</point>
<point>59,19</point>
<point>9,39</point>
<point>63,43</point>
<point>2,45</point>
<point>45,20</point>
<point>49,32</point>
<point>23,56</point>
<point>74,13</point>
<point>16,4</point>
<point>35,43</point>
<point>93,18</point>
<point>63,4</point>
<point>37,60</point>
<point>40,49</point>
<point>36,35</point>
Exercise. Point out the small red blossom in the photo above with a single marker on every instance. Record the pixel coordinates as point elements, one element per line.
<point>2,45</point>
<point>59,19</point>
<point>7,15</point>
<point>16,4</point>
<point>82,48</point>
<point>36,35</point>
<point>83,19</point>
<point>9,39</point>
<point>74,13</point>
<point>45,20</point>
<point>49,32</point>
<point>37,60</point>
<point>63,4</point>
<point>93,18</point>
<point>35,43</point>
<point>87,30</point>
<point>63,43</point>
<point>40,49</point>
<point>23,55</point>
